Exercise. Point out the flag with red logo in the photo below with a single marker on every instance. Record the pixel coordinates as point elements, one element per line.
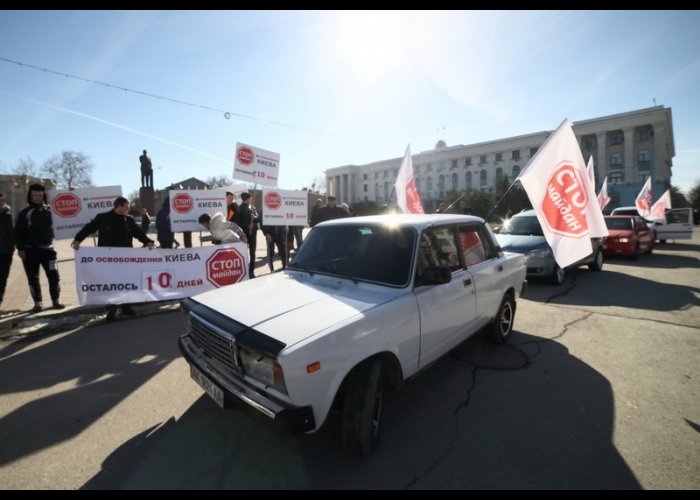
<point>406,195</point>
<point>643,200</point>
<point>560,190</point>
<point>603,198</point>
<point>658,209</point>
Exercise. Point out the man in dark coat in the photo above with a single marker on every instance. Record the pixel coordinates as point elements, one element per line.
<point>247,219</point>
<point>7,243</point>
<point>34,239</point>
<point>116,228</point>
<point>330,211</point>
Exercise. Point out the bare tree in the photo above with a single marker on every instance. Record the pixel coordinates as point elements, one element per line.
<point>218,181</point>
<point>26,166</point>
<point>319,184</point>
<point>69,170</point>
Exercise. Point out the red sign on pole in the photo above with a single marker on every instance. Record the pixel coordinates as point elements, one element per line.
<point>66,205</point>
<point>225,267</point>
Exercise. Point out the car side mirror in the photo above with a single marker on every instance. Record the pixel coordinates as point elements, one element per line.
<point>435,275</point>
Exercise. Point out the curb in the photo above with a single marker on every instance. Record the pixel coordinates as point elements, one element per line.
<point>25,323</point>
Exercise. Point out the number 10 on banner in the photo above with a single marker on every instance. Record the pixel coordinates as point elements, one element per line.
<point>155,281</point>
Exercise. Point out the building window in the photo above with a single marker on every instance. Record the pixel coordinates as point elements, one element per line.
<point>417,183</point>
<point>468,180</point>
<point>645,134</point>
<point>384,174</point>
<point>643,157</point>
<point>386,190</point>
<point>533,152</point>
<point>482,159</point>
<point>468,161</point>
<point>616,138</point>
<point>499,177</point>
<point>515,155</point>
<point>441,185</point>
<point>429,181</point>
<point>364,177</point>
<point>429,167</point>
<point>615,160</point>
<point>499,157</point>
<point>376,191</point>
<point>482,178</point>
<point>365,190</point>
<point>590,142</point>
<point>396,172</point>
<point>617,177</point>
<point>454,165</point>
<point>454,182</point>
<point>643,176</point>
<point>516,171</point>
<point>376,175</point>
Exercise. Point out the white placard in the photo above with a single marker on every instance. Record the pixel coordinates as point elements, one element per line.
<point>256,165</point>
<point>285,208</point>
<point>71,210</point>
<point>123,275</point>
<point>187,205</point>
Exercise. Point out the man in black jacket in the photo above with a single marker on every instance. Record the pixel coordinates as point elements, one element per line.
<point>7,244</point>
<point>34,240</point>
<point>116,229</point>
<point>247,219</point>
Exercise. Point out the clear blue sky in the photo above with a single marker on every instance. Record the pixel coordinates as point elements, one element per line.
<point>367,84</point>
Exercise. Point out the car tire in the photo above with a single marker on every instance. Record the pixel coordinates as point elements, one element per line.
<point>651,249</point>
<point>363,401</point>
<point>597,263</point>
<point>557,276</point>
<point>637,252</point>
<point>501,327</point>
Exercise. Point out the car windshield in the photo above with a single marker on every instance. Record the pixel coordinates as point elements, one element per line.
<point>613,223</point>
<point>523,226</point>
<point>374,253</point>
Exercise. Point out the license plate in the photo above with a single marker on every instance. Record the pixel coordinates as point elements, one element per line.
<point>209,387</point>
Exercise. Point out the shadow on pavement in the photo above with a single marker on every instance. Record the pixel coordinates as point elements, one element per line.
<point>100,366</point>
<point>526,415</point>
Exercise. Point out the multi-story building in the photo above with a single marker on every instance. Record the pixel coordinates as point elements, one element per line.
<point>626,147</point>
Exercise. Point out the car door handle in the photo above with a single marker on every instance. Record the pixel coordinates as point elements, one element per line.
<point>467,282</point>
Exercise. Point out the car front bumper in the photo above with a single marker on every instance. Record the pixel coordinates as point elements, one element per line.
<point>286,418</point>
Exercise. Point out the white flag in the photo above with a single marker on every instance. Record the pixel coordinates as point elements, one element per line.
<point>643,200</point>
<point>591,170</point>
<point>406,195</point>
<point>658,209</point>
<point>603,198</point>
<point>559,188</point>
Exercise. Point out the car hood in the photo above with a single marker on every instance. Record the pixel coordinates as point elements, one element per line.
<point>292,306</point>
<point>520,243</point>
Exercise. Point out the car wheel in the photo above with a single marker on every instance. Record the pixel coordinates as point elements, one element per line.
<point>637,252</point>
<point>651,249</point>
<point>597,263</point>
<point>363,402</point>
<point>502,326</point>
<point>557,277</point>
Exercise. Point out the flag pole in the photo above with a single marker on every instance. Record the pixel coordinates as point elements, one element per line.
<point>453,203</point>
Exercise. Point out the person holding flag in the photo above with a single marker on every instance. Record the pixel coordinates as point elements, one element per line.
<point>407,197</point>
<point>603,198</point>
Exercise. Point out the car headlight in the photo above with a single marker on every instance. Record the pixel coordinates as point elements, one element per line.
<point>623,240</point>
<point>262,368</point>
<point>539,253</point>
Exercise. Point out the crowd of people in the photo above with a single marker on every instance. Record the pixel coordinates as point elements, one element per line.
<point>33,237</point>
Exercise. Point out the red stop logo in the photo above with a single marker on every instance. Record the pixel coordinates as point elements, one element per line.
<point>565,202</point>
<point>273,200</point>
<point>245,155</point>
<point>66,205</point>
<point>225,267</point>
<point>183,203</point>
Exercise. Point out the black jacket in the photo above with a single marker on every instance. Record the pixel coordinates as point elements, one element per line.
<point>34,227</point>
<point>7,234</point>
<point>114,230</point>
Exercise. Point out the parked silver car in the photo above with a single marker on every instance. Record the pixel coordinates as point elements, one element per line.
<point>523,234</point>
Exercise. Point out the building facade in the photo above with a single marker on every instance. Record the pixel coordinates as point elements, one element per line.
<point>626,147</point>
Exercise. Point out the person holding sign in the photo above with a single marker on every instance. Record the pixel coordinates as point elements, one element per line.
<point>222,231</point>
<point>116,228</point>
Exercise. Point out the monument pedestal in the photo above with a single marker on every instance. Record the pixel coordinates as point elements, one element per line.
<point>146,197</point>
